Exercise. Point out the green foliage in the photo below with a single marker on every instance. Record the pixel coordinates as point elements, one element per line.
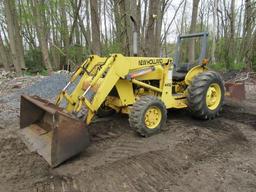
<point>111,48</point>
<point>254,63</point>
<point>44,72</point>
<point>237,66</point>
<point>34,61</point>
<point>78,53</point>
<point>218,66</point>
<point>168,50</point>
<point>223,67</point>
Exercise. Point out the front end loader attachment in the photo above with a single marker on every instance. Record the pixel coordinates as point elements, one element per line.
<point>50,131</point>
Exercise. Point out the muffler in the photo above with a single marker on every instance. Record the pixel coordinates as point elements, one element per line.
<point>51,132</point>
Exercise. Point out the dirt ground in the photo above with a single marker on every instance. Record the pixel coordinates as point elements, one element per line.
<point>189,156</point>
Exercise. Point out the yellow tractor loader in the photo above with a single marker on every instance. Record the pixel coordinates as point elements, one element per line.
<point>141,87</point>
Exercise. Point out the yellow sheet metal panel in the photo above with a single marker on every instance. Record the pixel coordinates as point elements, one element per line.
<point>141,62</point>
<point>125,92</point>
<point>103,91</point>
<point>155,75</point>
<point>121,65</point>
<point>194,72</point>
<point>95,61</point>
<point>167,96</point>
<point>78,91</point>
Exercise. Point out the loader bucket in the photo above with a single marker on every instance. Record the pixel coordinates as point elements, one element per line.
<point>51,132</point>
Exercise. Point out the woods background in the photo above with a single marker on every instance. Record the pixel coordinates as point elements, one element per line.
<point>46,35</point>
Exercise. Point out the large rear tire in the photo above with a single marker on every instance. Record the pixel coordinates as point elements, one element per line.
<point>148,116</point>
<point>206,95</point>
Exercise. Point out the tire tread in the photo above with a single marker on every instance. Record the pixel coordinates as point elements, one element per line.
<point>196,95</point>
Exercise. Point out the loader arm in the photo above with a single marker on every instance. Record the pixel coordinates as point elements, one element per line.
<point>92,88</point>
<point>92,91</point>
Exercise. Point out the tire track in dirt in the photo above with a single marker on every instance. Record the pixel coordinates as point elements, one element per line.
<point>127,146</point>
<point>130,144</point>
<point>157,170</point>
<point>127,162</point>
<point>240,115</point>
<point>123,148</point>
<point>57,184</point>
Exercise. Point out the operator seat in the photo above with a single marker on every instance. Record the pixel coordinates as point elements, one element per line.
<point>180,72</point>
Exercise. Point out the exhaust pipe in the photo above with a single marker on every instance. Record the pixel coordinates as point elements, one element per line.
<point>135,37</point>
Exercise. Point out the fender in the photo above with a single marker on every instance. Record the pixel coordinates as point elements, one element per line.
<point>194,72</point>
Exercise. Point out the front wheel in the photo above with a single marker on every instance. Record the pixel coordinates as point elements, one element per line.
<point>148,115</point>
<point>206,95</point>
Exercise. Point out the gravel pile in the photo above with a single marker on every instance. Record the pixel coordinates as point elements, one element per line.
<point>46,88</point>
<point>9,86</point>
<point>49,87</point>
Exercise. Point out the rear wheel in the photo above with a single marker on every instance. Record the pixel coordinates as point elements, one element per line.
<point>206,95</point>
<point>148,115</point>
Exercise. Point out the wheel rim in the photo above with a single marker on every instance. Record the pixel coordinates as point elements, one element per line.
<point>213,96</point>
<point>153,117</point>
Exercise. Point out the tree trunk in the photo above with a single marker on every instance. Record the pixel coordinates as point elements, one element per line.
<point>28,33</point>
<point>55,42</point>
<point>105,23</point>
<point>19,41</point>
<point>41,31</point>
<point>215,8</point>
<point>183,17</point>
<point>64,32</point>
<point>128,7</point>
<point>118,24</point>
<point>160,12</point>
<point>191,52</point>
<point>231,49</point>
<point>151,38</point>
<point>95,26</point>
<point>138,19</point>
<point>122,12</point>
<point>74,29</point>
<point>3,56</point>
<point>9,14</point>
<point>135,7</point>
<point>248,30</point>
<point>143,28</point>
<point>87,33</point>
